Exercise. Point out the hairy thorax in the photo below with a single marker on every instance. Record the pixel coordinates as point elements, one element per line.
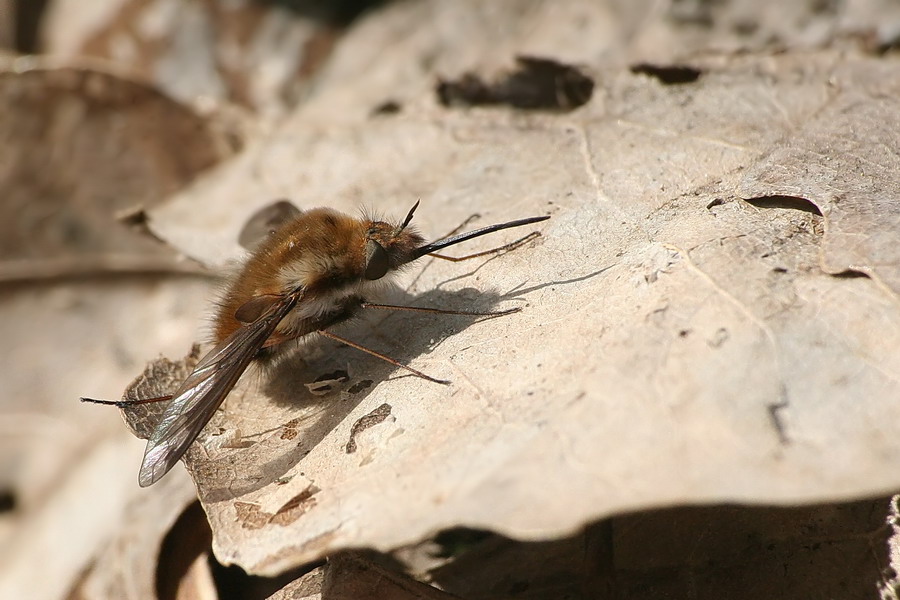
<point>324,252</point>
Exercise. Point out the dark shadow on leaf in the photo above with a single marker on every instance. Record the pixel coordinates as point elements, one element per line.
<point>516,291</point>
<point>286,382</point>
<point>337,12</point>
<point>189,538</point>
<point>702,552</point>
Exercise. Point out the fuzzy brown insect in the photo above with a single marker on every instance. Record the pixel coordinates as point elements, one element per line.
<point>307,275</point>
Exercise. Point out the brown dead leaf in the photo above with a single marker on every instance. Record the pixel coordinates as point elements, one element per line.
<point>159,379</point>
<point>60,531</point>
<point>676,345</point>
<point>136,145</point>
<point>352,577</point>
<point>259,55</point>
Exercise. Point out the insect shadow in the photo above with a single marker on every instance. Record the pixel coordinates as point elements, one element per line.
<point>404,336</point>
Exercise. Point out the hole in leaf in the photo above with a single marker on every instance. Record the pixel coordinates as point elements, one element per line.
<point>790,202</point>
<point>388,107</point>
<point>850,274</point>
<point>668,74</point>
<point>537,83</point>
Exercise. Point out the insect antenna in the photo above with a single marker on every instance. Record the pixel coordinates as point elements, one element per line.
<point>409,216</point>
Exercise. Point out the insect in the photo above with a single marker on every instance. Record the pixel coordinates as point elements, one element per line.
<point>306,275</point>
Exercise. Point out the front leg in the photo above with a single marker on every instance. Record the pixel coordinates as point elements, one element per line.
<point>343,310</point>
<point>441,311</point>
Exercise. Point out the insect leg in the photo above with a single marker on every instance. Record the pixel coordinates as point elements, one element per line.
<point>383,357</point>
<point>124,403</point>
<point>440,311</point>
<point>462,225</point>
<point>502,249</point>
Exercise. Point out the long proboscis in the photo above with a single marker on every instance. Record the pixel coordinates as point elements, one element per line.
<point>462,237</point>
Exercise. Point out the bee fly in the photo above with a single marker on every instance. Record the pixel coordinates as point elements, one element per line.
<point>304,277</point>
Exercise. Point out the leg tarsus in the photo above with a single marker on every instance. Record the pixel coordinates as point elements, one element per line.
<point>383,357</point>
<point>125,403</point>
<point>462,225</point>
<point>505,248</point>
<point>440,311</point>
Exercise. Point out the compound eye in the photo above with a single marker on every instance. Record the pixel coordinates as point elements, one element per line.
<point>377,262</point>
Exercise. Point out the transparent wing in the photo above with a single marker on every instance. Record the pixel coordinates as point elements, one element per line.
<point>198,397</point>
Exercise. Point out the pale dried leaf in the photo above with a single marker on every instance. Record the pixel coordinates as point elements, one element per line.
<point>126,568</point>
<point>846,160</point>
<point>890,588</point>
<point>88,306</point>
<point>677,345</point>
<point>307,587</point>
<point>73,507</point>
<point>83,145</point>
<point>667,352</point>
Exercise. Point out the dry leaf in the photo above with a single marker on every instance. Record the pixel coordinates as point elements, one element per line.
<point>84,147</point>
<point>307,587</point>
<point>676,345</point>
<point>128,567</point>
<point>255,54</point>
<point>86,300</point>
<point>70,514</point>
<point>845,160</point>
<point>352,577</point>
